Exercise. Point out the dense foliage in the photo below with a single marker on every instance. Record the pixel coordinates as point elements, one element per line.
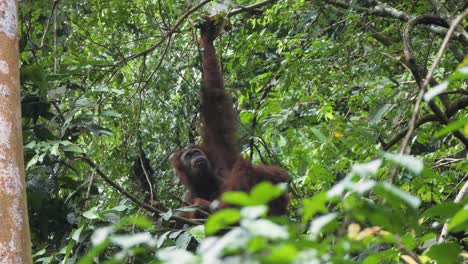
<point>326,89</point>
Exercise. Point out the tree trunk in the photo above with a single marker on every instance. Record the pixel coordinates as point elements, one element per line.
<point>15,244</point>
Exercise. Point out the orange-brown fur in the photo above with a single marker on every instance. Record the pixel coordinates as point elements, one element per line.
<point>229,171</point>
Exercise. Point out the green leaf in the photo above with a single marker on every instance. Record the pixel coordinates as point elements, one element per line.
<point>367,169</point>
<point>183,240</point>
<point>316,204</point>
<point>460,74</point>
<point>396,196</point>
<point>237,198</point>
<point>76,234</point>
<point>319,134</point>
<point>454,126</point>
<point>44,133</point>
<point>429,173</point>
<point>58,92</point>
<point>283,254</point>
<point>221,219</point>
<point>459,221</point>
<point>256,244</point>
<point>198,232</point>
<point>139,220</point>
<point>385,256</point>
<point>95,129</point>
<point>265,228</point>
<point>101,234</point>
<point>261,77</point>
<point>253,212</point>
<point>377,117</point>
<point>39,253</point>
<point>162,238</point>
<point>111,217</point>
<point>246,116</point>
<point>447,253</point>
<point>91,214</point>
<point>35,73</point>
<point>446,210</point>
<point>406,161</point>
<point>176,255</point>
<point>32,162</point>
<point>54,150</point>
<point>436,90</point>
<point>93,252</point>
<point>73,148</point>
<point>111,113</point>
<point>120,208</point>
<point>129,241</point>
<point>167,215</point>
<point>319,224</point>
<point>84,102</point>
<point>265,192</point>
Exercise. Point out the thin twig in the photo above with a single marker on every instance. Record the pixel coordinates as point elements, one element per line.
<point>458,198</point>
<point>130,196</point>
<point>406,250</point>
<point>266,91</point>
<point>163,39</point>
<point>147,177</point>
<point>455,188</point>
<point>179,22</point>
<point>248,8</point>
<point>446,162</point>
<point>48,23</point>
<point>55,39</point>
<point>163,55</point>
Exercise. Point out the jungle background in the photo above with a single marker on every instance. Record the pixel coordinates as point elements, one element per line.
<point>334,91</point>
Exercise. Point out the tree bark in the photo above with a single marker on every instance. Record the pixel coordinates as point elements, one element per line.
<point>15,244</point>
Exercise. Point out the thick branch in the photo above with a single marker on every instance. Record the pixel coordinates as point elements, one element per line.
<point>379,9</point>
<point>418,72</point>
<point>451,110</point>
<point>440,10</point>
<point>376,8</point>
<point>401,134</point>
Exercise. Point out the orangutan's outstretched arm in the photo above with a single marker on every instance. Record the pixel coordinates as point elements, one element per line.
<point>220,123</point>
